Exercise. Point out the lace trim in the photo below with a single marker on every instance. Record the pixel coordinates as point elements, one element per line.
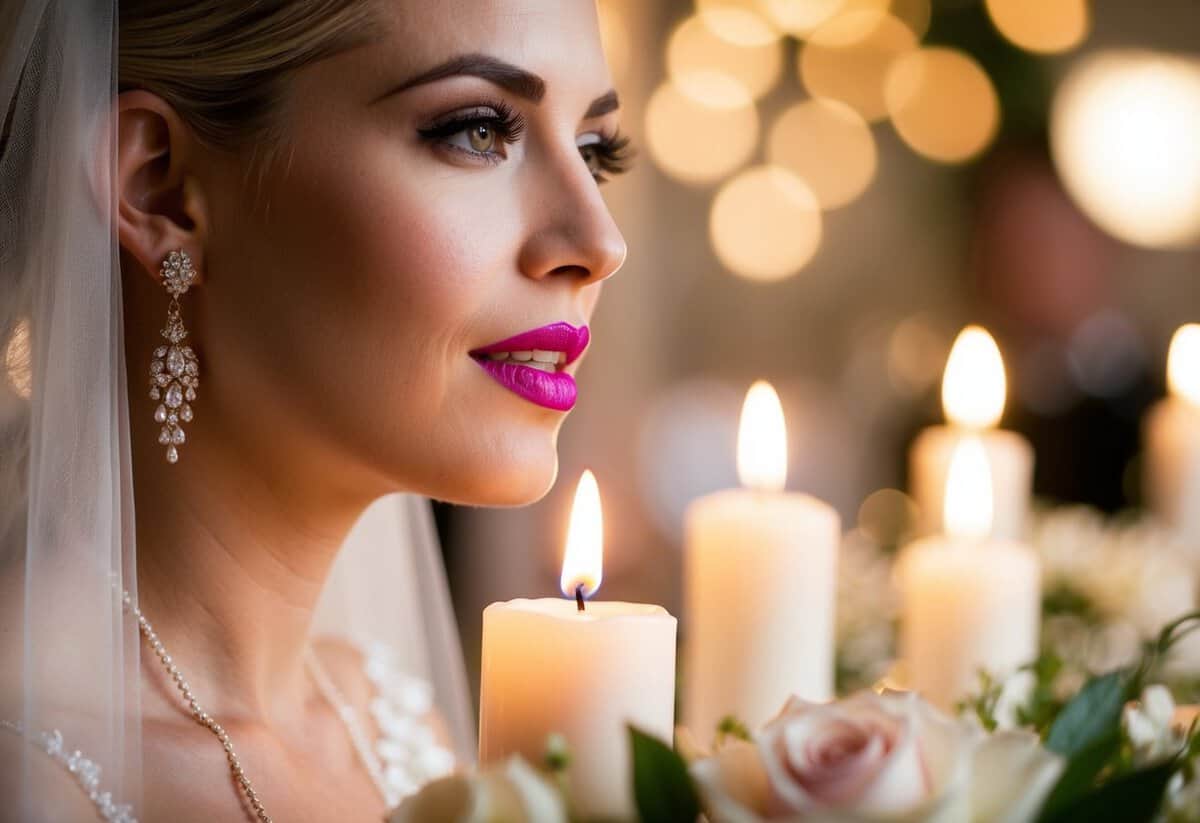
<point>407,744</point>
<point>86,772</point>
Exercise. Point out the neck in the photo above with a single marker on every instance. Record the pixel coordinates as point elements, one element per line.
<point>231,563</point>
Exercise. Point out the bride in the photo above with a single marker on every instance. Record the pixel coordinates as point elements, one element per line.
<point>271,275</point>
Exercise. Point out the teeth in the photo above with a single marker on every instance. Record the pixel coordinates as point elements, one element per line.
<point>547,361</point>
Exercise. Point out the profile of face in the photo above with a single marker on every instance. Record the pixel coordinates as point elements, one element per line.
<point>435,195</point>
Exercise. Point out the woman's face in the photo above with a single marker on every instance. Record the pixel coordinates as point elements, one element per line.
<point>435,196</point>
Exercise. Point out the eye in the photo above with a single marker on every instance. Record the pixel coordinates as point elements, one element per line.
<point>606,155</point>
<point>482,131</point>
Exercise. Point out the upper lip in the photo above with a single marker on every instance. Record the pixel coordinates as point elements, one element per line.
<point>570,340</point>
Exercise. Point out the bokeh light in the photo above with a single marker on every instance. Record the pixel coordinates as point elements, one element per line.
<point>739,21</point>
<point>1125,132</point>
<point>18,360</point>
<point>695,52</point>
<point>765,223</point>
<point>1183,363</point>
<point>1044,26</point>
<point>697,143</point>
<point>800,17</point>
<point>888,517</point>
<point>942,104</point>
<point>916,355</point>
<point>829,146</point>
<point>848,58</point>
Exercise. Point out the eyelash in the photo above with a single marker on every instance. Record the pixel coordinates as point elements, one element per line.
<point>613,153</point>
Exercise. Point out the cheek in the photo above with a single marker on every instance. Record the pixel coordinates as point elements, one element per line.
<point>380,271</point>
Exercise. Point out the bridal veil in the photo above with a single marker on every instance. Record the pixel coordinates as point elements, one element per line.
<point>70,657</point>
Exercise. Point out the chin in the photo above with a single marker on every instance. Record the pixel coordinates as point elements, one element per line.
<point>517,471</point>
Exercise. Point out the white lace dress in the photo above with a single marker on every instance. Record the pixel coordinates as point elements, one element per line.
<point>407,745</point>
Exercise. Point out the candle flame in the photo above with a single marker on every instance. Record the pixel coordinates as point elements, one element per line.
<point>583,559</point>
<point>967,508</point>
<point>762,440</point>
<point>1183,363</point>
<point>973,386</point>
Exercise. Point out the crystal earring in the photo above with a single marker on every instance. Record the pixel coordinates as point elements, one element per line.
<point>174,371</point>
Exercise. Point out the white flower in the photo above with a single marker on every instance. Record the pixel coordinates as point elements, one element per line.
<point>877,757</point>
<point>511,792</point>
<point>1150,727</point>
<point>1014,695</point>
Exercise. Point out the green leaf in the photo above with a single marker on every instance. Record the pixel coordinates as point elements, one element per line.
<point>1080,774</point>
<point>1091,715</point>
<point>1130,798</point>
<point>662,788</point>
<point>1087,732</point>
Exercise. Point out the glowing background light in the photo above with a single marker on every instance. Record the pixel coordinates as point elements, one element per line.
<point>1183,363</point>
<point>848,58</point>
<point>674,119</point>
<point>765,223</point>
<point>942,104</point>
<point>695,51</point>
<point>738,21</point>
<point>828,145</point>
<point>1125,132</point>
<point>1044,26</point>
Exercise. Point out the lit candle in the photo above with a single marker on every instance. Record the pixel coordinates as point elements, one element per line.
<point>971,601</point>
<point>582,669</point>
<point>1172,438</point>
<point>760,580</point>
<point>973,395</point>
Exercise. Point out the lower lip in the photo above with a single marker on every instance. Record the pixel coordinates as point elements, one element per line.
<point>551,390</point>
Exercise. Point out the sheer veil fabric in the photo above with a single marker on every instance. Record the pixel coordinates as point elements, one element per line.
<point>69,657</point>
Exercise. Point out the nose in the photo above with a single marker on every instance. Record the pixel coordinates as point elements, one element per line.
<point>572,231</point>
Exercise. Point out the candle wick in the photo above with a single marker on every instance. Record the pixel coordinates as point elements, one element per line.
<point>579,597</point>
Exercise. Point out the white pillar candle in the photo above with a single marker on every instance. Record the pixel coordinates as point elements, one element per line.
<point>760,583</point>
<point>1172,439</point>
<point>973,395</point>
<point>971,602</point>
<point>583,670</point>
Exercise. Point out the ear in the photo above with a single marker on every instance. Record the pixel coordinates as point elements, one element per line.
<point>160,206</point>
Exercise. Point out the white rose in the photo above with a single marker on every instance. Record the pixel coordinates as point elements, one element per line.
<point>512,792</point>
<point>877,757</point>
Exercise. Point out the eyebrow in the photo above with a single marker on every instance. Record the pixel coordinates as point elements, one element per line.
<point>505,75</point>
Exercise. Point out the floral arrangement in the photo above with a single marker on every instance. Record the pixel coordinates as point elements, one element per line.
<point>1117,749</point>
<point>1108,583</point>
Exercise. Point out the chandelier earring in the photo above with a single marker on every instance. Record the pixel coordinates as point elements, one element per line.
<point>174,371</point>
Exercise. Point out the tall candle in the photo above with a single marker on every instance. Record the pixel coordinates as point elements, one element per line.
<point>581,669</point>
<point>971,601</point>
<point>1172,439</point>
<point>760,580</point>
<point>973,395</point>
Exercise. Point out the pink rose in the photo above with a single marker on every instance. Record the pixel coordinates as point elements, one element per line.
<point>872,753</point>
<point>875,757</point>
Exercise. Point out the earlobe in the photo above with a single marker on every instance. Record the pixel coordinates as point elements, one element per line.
<point>160,206</point>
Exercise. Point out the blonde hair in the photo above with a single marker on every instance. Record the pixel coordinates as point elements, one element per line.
<point>222,64</point>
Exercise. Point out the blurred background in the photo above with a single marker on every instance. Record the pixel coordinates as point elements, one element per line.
<point>825,192</point>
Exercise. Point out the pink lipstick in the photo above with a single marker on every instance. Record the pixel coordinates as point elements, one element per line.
<point>531,364</point>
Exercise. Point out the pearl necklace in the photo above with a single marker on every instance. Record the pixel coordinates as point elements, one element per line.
<point>329,692</point>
